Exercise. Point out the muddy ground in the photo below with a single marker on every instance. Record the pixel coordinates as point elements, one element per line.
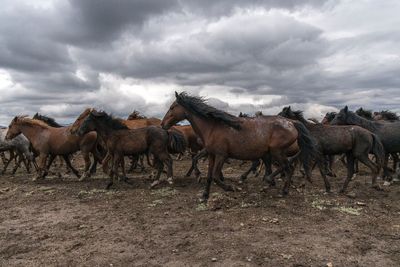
<point>64,222</point>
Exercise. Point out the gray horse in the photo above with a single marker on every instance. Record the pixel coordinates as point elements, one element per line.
<point>19,146</point>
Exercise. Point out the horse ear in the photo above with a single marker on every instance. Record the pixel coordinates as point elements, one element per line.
<point>176,94</point>
<point>289,108</point>
<point>346,109</point>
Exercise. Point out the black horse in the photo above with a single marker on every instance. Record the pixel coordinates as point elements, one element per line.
<point>389,133</point>
<point>354,141</point>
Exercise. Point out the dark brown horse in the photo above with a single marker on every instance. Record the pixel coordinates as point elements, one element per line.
<point>386,115</point>
<point>388,133</point>
<point>354,141</point>
<point>121,141</point>
<point>226,136</point>
<point>51,141</point>
<point>194,145</point>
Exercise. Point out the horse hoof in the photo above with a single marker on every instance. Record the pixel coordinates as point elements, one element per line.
<point>386,183</point>
<point>154,184</point>
<point>170,181</point>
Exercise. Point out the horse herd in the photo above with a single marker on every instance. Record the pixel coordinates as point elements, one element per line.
<point>281,140</point>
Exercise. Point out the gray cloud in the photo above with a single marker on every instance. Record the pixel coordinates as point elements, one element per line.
<point>60,56</point>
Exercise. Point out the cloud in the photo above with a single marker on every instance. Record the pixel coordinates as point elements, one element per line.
<point>59,56</point>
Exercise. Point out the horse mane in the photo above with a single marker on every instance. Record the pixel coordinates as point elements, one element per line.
<point>26,120</point>
<point>330,116</point>
<point>48,120</point>
<point>243,115</point>
<point>136,115</point>
<point>314,120</point>
<point>109,120</point>
<point>297,114</point>
<point>389,115</point>
<point>198,106</point>
<point>365,113</point>
<point>361,121</point>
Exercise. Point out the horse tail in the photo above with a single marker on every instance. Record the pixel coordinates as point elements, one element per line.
<point>378,150</point>
<point>176,142</point>
<point>307,145</point>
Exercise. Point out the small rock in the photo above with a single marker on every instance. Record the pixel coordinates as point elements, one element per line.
<point>286,256</point>
<point>213,259</point>
<point>386,183</point>
<point>274,220</point>
<point>264,219</point>
<point>329,264</point>
<point>359,203</point>
<point>242,224</point>
<point>351,195</point>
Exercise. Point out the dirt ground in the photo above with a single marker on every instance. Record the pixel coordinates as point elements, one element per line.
<point>64,222</point>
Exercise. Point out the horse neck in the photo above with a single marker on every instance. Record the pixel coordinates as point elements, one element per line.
<point>362,122</point>
<point>31,131</point>
<point>103,130</point>
<point>202,127</point>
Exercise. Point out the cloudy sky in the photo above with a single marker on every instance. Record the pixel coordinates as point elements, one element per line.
<point>58,57</point>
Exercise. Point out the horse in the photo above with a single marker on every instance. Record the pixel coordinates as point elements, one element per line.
<point>227,136</point>
<point>136,115</point>
<point>51,141</point>
<point>194,145</point>
<point>122,141</point>
<point>388,133</point>
<point>18,147</point>
<point>51,122</point>
<point>386,115</point>
<point>365,113</point>
<point>131,124</point>
<point>354,141</point>
<point>329,116</point>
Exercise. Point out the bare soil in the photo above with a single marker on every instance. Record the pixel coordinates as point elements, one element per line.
<point>64,222</point>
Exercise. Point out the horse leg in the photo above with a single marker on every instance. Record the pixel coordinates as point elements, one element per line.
<point>49,162</point>
<point>93,167</point>
<point>350,171</point>
<point>323,169</point>
<point>206,193</point>
<point>124,177</point>
<point>385,167</point>
<point>12,155</point>
<point>330,172</point>
<point>217,173</point>
<point>41,167</point>
<point>373,167</point>
<point>395,160</point>
<point>195,161</point>
<point>253,168</point>
<point>69,165</point>
<point>158,164</point>
<point>86,172</point>
<point>268,177</point>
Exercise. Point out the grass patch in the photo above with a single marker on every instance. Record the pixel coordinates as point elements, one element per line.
<point>349,210</point>
<point>164,192</point>
<point>201,207</point>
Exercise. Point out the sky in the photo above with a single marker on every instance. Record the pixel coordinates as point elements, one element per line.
<point>58,57</point>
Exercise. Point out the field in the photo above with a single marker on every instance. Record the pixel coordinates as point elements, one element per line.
<point>64,222</point>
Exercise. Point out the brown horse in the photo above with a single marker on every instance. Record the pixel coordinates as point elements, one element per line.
<point>194,145</point>
<point>227,136</point>
<point>122,141</point>
<point>51,141</point>
<point>135,121</point>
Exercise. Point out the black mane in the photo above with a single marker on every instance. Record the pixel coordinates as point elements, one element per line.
<point>365,113</point>
<point>198,106</point>
<point>109,120</point>
<point>48,120</point>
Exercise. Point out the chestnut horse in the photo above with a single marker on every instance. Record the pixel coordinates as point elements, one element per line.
<point>122,141</point>
<point>51,141</point>
<point>227,136</point>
